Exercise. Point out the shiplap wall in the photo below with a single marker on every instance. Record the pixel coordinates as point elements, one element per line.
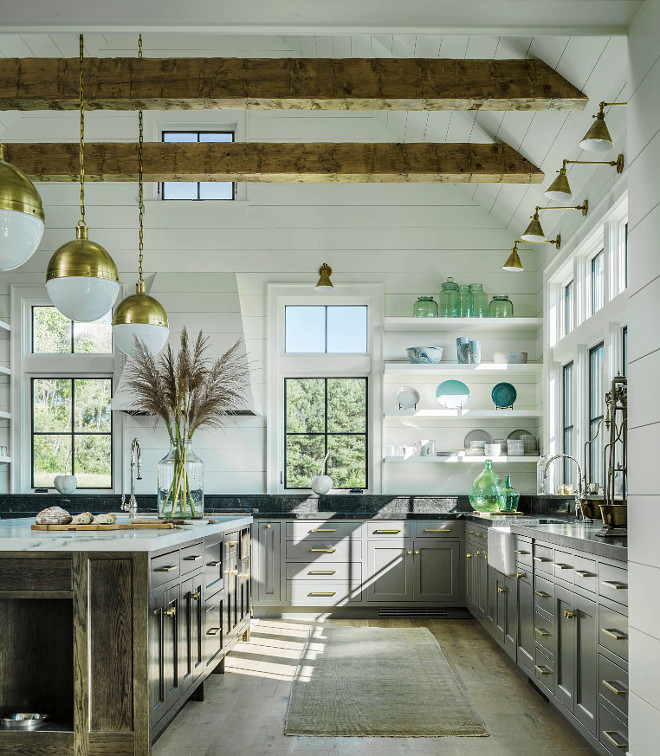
<point>644,371</point>
<point>410,237</point>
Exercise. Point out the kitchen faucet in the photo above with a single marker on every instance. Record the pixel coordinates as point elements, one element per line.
<point>136,460</point>
<point>579,492</point>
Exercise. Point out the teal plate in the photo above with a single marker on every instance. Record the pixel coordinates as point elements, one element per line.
<point>504,395</point>
<point>452,394</point>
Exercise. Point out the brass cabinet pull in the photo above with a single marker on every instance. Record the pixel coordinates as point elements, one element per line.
<point>166,568</point>
<point>269,526</point>
<point>613,688</point>
<point>437,530</point>
<point>541,594</point>
<point>324,530</point>
<point>541,559</point>
<point>616,634</point>
<point>615,585</point>
<point>500,589</point>
<point>244,574</point>
<point>213,631</point>
<point>584,574</point>
<point>322,593</point>
<point>485,556</point>
<point>540,631</point>
<point>521,575</point>
<point>212,564</point>
<point>416,551</point>
<point>569,614</point>
<point>233,572</point>
<point>197,595</point>
<point>521,552</point>
<point>468,556</point>
<point>563,566</point>
<point>409,552</point>
<point>322,572</point>
<point>192,558</point>
<point>171,612</point>
<point>232,543</point>
<point>387,531</point>
<point>613,741</point>
<point>543,670</point>
<point>329,551</point>
<point>478,553</point>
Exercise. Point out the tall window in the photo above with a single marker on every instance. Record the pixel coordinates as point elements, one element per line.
<point>596,411</point>
<point>625,256</point>
<point>567,419</point>
<point>72,431</point>
<point>198,190</point>
<point>568,307</point>
<point>597,282</point>
<point>624,351</point>
<point>337,329</point>
<point>326,416</point>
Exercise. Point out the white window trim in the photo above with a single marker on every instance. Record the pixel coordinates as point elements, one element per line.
<point>282,365</point>
<point>26,366</point>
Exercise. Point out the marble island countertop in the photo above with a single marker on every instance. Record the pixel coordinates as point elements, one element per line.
<point>17,535</point>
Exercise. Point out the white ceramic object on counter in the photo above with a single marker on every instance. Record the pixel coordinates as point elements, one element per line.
<point>322,484</point>
<point>65,484</point>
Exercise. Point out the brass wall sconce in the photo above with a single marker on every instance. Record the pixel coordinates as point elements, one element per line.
<point>325,271</point>
<point>598,138</point>
<point>534,232</point>
<point>513,262</point>
<point>560,189</point>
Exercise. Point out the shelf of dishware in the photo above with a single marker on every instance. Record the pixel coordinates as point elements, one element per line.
<point>469,414</point>
<point>462,324</point>
<point>528,368</point>
<point>461,457</point>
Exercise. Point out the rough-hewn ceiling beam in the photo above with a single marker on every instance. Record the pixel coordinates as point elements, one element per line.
<point>286,83</point>
<point>278,162</point>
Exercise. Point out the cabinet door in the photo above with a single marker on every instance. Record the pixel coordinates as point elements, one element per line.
<point>565,649</point>
<point>482,568</point>
<point>231,615</point>
<point>497,603</point>
<point>525,621</point>
<point>586,662</point>
<point>191,638</point>
<point>436,573</point>
<point>510,616</point>
<point>267,567</point>
<point>243,587</point>
<point>389,570</point>
<point>157,682</point>
<point>213,621</point>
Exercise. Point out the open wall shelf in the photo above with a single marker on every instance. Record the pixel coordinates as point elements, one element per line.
<point>461,457</point>
<point>463,324</point>
<point>468,414</point>
<point>485,368</point>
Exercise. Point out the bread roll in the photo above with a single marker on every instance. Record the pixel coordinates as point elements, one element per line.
<point>106,519</point>
<point>84,518</point>
<point>53,516</point>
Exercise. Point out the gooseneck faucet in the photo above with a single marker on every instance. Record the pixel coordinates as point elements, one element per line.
<point>136,461</point>
<point>579,493</point>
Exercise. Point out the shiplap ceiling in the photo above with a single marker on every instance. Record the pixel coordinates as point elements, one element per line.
<point>595,64</point>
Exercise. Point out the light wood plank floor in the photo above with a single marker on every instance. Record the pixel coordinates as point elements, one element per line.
<point>245,708</point>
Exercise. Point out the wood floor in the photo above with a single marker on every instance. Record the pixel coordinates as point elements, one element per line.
<point>245,708</point>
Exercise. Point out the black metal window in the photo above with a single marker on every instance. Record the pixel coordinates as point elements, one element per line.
<point>568,307</point>
<point>624,351</point>
<point>72,431</point>
<point>596,411</point>
<point>597,281</point>
<point>198,190</point>
<point>326,417</point>
<point>567,418</point>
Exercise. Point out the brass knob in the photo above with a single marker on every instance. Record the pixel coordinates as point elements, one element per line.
<point>233,572</point>
<point>468,556</point>
<point>197,595</point>
<point>569,615</point>
<point>171,612</point>
<point>478,553</point>
<point>416,551</point>
<point>409,552</point>
<point>520,575</point>
<point>500,589</point>
<point>269,526</point>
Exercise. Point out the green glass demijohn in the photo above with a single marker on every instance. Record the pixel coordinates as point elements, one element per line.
<point>449,300</point>
<point>500,307</point>
<point>487,491</point>
<point>511,496</point>
<point>425,307</point>
<point>479,301</point>
<point>465,297</point>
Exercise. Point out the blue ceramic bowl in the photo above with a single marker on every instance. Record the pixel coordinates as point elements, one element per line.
<point>504,395</point>
<point>425,355</point>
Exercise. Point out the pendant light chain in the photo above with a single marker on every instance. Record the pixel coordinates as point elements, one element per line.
<point>140,180</point>
<point>82,135</point>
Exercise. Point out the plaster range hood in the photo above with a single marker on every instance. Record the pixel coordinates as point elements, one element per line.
<point>223,328</point>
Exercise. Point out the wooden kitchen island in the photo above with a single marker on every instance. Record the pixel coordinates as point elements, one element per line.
<point>110,633</point>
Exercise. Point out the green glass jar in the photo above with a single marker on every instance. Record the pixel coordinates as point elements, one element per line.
<point>450,302</point>
<point>511,496</point>
<point>487,491</point>
<point>500,307</point>
<point>425,307</point>
<point>465,298</point>
<point>479,301</point>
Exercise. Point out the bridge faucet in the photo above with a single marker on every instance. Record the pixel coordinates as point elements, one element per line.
<point>579,492</point>
<point>136,460</point>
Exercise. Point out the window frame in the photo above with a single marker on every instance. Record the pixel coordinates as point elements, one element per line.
<point>568,307</point>
<point>325,434</point>
<point>326,307</point>
<point>594,420</point>
<point>599,297</point>
<point>568,410</point>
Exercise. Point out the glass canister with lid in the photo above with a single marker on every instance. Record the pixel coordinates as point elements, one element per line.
<point>450,302</point>
<point>500,307</point>
<point>425,307</point>
<point>465,298</point>
<point>479,301</point>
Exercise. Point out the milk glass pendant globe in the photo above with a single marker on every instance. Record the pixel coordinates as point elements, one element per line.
<point>21,216</point>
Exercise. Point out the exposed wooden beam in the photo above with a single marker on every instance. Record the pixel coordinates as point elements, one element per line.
<point>278,162</point>
<point>286,83</point>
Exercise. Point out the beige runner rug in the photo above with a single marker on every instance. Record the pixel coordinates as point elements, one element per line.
<point>371,681</point>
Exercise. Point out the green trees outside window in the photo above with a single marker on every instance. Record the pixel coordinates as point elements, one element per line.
<point>326,416</point>
<point>54,333</point>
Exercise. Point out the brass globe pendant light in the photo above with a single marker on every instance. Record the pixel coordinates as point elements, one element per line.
<point>82,279</point>
<point>21,216</point>
<point>140,315</point>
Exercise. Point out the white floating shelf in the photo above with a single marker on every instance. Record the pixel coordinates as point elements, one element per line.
<point>454,367</point>
<point>466,413</point>
<point>461,457</point>
<point>463,324</point>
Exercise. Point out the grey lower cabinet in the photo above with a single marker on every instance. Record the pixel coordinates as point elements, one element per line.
<point>267,562</point>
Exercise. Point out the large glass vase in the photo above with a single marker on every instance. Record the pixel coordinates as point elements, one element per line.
<point>180,483</point>
<point>487,491</point>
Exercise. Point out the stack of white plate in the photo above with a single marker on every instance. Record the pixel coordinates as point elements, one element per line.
<point>530,443</point>
<point>514,447</point>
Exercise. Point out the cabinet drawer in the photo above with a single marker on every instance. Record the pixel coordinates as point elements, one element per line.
<point>585,574</point>
<point>320,593</point>
<point>543,558</point>
<point>476,532</point>
<point>563,566</point>
<point>192,558</point>
<point>35,575</point>
<point>612,732</point>
<point>544,669</point>
<point>544,595</point>
<point>544,632</point>
<point>337,571</point>
<point>389,529</point>
<point>438,529</point>
<point>164,568</point>
<point>613,631</point>
<point>324,551</point>
<point>317,530</point>
<point>613,684</point>
<point>213,548</point>
<point>523,551</point>
<point>613,583</point>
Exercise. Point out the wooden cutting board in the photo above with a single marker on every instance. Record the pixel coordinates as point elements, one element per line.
<point>114,526</point>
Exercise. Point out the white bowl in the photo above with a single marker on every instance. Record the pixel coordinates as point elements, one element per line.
<point>425,355</point>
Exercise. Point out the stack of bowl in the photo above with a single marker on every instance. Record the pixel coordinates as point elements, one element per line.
<point>515,447</point>
<point>475,449</point>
